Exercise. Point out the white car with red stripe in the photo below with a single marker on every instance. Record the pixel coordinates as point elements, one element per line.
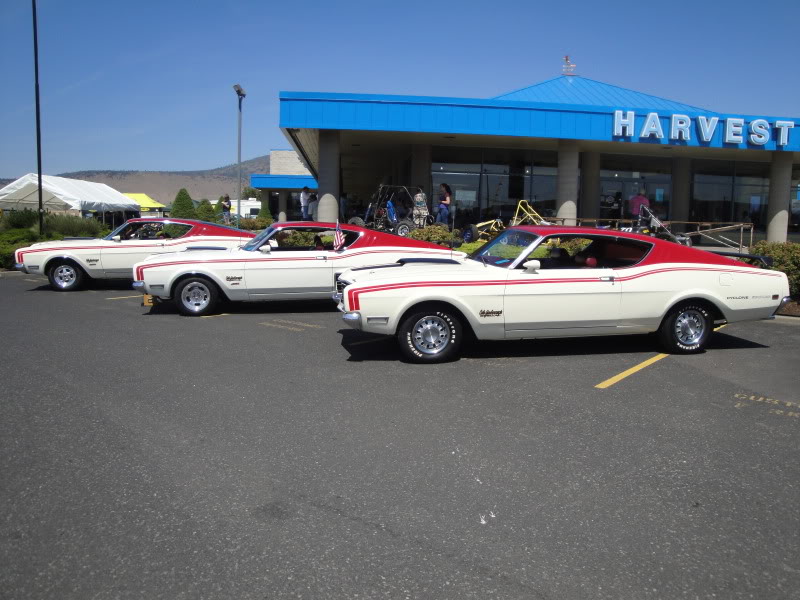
<point>541,282</point>
<point>287,261</point>
<point>68,263</point>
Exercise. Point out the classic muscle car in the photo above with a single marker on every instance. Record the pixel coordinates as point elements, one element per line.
<point>287,261</point>
<point>549,281</point>
<point>69,262</point>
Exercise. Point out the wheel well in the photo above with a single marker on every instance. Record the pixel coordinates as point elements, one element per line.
<point>62,259</point>
<point>714,310</point>
<point>185,276</point>
<point>440,304</point>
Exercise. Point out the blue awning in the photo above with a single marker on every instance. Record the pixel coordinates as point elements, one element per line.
<point>282,182</point>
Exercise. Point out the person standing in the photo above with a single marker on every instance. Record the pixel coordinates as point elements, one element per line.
<point>226,209</point>
<point>305,198</point>
<point>445,198</point>
<point>635,204</point>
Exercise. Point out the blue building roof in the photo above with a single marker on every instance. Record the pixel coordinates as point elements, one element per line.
<point>572,89</point>
<point>283,182</point>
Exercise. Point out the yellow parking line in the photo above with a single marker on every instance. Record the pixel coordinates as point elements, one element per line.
<point>301,324</point>
<point>617,378</point>
<point>219,315</point>
<point>124,297</point>
<point>282,326</point>
<point>33,280</point>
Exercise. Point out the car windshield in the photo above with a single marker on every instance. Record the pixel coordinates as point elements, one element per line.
<point>117,231</point>
<point>505,248</point>
<point>256,242</point>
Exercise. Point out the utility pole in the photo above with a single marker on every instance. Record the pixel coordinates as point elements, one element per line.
<point>38,117</point>
<point>240,93</point>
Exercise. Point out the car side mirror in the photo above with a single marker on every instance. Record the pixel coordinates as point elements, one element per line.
<point>532,266</point>
<point>265,249</point>
<point>116,238</point>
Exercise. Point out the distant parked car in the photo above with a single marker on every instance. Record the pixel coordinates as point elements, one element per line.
<point>287,261</point>
<point>68,263</point>
<point>550,281</point>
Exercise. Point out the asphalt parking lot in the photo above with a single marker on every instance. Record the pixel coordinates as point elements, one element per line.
<point>270,452</point>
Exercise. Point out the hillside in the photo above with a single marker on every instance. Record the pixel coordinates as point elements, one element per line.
<point>164,185</point>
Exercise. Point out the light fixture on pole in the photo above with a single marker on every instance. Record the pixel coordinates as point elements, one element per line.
<point>240,93</point>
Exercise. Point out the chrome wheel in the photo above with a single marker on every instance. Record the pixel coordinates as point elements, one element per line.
<point>689,327</point>
<point>430,334</point>
<point>64,276</point>
<point>195,296</point>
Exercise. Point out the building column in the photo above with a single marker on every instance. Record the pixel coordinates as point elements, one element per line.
<point>421,167</point>
<point>590,185</point>
<point>567,182</point>
<point>780,191</point>
<point>329,153</point>
<point>283,201</point>
<point>681,190</point>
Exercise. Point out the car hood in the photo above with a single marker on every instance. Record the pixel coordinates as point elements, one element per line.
<point>200,252</point>
<point>415,271</point>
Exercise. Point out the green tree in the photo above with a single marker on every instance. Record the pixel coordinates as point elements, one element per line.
<point>250,192</point>
<point>183,207</point>
<point>204,211</point>
<point>264,216</point>
<point>218,211</point>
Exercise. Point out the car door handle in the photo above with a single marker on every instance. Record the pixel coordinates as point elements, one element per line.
<point>607,278</point>
<point>322,258</point>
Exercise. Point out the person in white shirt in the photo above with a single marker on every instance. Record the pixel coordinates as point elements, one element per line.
<point>305,197</point>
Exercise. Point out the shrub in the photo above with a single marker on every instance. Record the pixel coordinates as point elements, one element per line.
<point>264,213</point>
<point>72,226</point>
<point>254,224</point>
<point>183,207</point>
<point>204,211</point>
<point>785,257</point>
<point>438,234</point>
<point>20,219</point>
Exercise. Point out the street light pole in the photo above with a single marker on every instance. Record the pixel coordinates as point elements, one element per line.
<point>38,117</point>
<point>240,93</point>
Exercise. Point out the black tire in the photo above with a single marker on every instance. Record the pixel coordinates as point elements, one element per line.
<point>471,234</point>
<point>686,328</point>
<point>444,330</point>
<point>196,296</point>
<point>356,221</point>
<point>404,227</point>
<point>65,276</point>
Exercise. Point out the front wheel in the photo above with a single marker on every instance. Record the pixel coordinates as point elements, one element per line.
<point>685,329</point>
<point>65,276</point>
<point>404,227</point>
<point>196,297</point>
<point>430,336</point>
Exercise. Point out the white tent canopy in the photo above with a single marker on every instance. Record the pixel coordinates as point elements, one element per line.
<point>60,193</point>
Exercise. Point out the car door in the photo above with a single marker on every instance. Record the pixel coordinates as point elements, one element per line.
<point>566,296</point>
<point>291,267</point>
<point>136,242</point>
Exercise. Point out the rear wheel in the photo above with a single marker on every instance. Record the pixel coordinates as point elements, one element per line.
<point>196,297</point>
<point>356,221</point>
<point>65,276</point>
<point>471,234</point>
<point>430,336</point>
<point>404,227</point>
<point>686,328</point>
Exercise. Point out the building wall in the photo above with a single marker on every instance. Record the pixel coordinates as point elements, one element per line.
<point>286,162</point>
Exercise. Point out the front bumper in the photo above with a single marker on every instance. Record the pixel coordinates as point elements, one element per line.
<point>784,302</point>
<point>138,286</point>
<point>353,319</point>
<point>20,267</point>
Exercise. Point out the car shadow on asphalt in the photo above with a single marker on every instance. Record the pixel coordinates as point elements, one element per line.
<point>109,285</point>
<point>367,347</point>
<point>255,308</point>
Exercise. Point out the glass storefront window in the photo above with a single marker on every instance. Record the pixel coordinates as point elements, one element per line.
<point>543,197</point>
<point>463,179</point>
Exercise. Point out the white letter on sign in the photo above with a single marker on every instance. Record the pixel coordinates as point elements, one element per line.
<point>733,131</point>
<point>707,127</point>
<point>652,127</point>
<point>759,132</point>
<point>623,126</point>
<point>679,128</point>
<point>783,127</point>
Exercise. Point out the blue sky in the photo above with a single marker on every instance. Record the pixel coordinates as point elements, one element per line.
<point>147,85</point>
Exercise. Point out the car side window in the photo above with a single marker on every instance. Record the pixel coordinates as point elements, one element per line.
<point>587,252</point>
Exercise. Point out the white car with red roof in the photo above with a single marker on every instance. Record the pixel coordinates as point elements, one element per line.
<point>287,261</point>
<point>549,281</point>
<point>68,263</point>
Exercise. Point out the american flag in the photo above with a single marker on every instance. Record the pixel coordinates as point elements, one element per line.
<point>338,237</point>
